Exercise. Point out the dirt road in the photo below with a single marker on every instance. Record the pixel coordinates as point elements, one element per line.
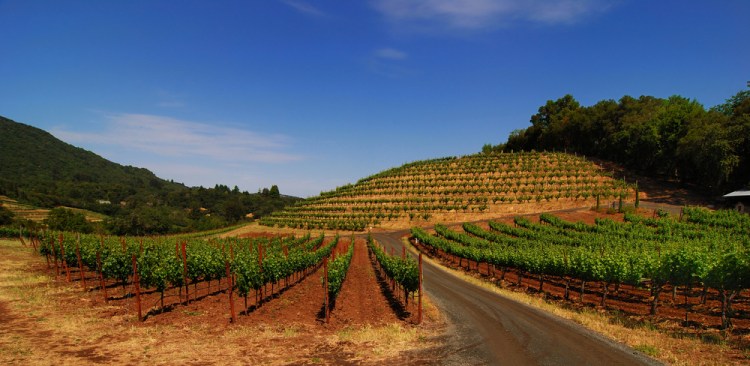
<point>494,330</point>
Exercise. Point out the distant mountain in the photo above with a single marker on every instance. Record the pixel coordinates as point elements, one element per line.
<point>39,169</point>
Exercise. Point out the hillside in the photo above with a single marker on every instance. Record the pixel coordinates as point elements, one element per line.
<point>457,189</point>
<point>39,170</point>
<point>42,170</point>
<point>674,139</point>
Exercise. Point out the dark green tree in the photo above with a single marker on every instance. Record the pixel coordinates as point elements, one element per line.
<point>274,192</point>
<point>233,211</point>
<point>6,216</point>
<point>674,138</point>
<point>68,220</point>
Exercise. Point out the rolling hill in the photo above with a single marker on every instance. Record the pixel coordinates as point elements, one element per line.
<point>457,189</point>
<point>41,171</point>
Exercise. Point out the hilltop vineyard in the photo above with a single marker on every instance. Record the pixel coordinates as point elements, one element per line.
<point>443,188</point>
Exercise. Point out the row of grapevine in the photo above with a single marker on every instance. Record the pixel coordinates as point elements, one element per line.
<point>631,253</point>
<point>337,270</point>
<point>333,277</point>
<point>170,268</point>
<point>251,264</point>
<point>404,273</point>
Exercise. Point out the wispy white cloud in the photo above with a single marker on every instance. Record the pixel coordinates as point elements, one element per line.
<point>171,137</point>
<point>473,15</point>
<point>167,99</point>
<point>387,62</point>
<point>304,7</point>
<point>390,54</point>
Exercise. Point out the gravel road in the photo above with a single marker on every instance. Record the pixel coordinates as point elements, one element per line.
<point>489,329</point>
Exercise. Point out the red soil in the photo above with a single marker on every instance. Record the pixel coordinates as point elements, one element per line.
<point>363,299</point>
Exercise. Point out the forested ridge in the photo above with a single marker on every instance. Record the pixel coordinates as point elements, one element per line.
<point>38,169</point>
<point>674,138</point>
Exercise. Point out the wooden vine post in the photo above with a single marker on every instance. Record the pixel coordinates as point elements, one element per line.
<point>20,237</point>
<point>33,240</point>
<point>101,275</point>
<point>260,265</point>
<point>325,287</point>
<point>80,264</point>
<point>137,285</point>
<point>231,298</point>
<point>62,256</point>
<point>54,254</point>
<point>419,312</point>
<point>185,273</point>
<point>393,283</point>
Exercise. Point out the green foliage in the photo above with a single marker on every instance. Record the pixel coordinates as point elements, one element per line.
<point>63,219</point>
<point>51,173</point>
<point>159,267</point>
<point>337,270</point>
<point>274,192</point>
<point>6,216</point>
<point>160,263</point>
<point>9,232</point>
<point>674,137</point>
<point>405,271</point>
<point>711,248</point>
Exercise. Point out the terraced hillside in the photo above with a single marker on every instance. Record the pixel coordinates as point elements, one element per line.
<point>36,214</point>
<point>457,189</point>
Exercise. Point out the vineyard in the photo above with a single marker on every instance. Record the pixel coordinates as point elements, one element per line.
<point>155,275</point>
<point>481,185</point>
<point>698,264</point>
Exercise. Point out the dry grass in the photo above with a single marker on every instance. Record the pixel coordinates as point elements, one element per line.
<point>658,342</point>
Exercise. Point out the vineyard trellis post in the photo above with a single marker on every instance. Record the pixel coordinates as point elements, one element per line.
<point>80,264</point>
<point>54,254</point>
<point>229,291</point>
<point>101,275</point>
<point>136,284</point>
<point>62,257</point>
<point>419,313</point>
<point>185,273</point>
<point>325,288</point>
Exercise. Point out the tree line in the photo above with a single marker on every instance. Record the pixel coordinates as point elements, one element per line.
<point>191,209</point>
<point>674,138</point>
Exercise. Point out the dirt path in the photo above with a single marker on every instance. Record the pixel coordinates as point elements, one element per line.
<point>492,329</point>
<point>354,304</point>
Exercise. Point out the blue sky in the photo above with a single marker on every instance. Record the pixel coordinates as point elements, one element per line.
<point>310,95</point>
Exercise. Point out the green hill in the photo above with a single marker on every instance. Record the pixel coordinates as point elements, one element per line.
<point>674,139</point>
<point>454,189</point>
<point>40,170</point>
